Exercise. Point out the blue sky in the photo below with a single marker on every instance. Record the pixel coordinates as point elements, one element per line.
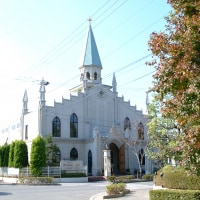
<point>44,39</point>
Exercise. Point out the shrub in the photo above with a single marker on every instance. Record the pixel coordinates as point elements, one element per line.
<point>111,178</point>
<point>148,177</point>
<point>116,188</point>
<point>174,194</point>
<point>117,179</point>
<point>177,178</point>
<point>35,180</point>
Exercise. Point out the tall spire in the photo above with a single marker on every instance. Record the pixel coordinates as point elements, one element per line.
<point>25,103</point>
<point>90,66</point>
<point>114,83</point>
<point>90,54</point>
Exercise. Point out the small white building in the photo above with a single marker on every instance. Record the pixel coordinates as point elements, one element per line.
<point>83,125</point>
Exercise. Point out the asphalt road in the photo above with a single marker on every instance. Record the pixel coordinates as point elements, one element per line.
<point>65,191</point>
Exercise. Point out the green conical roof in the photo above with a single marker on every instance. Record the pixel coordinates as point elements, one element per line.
<point>90,55</point>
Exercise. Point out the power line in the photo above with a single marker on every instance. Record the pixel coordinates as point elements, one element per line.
<point>138,78</point>
<point>132,38</point>
<point>50,59</point>
<point>55,52</point>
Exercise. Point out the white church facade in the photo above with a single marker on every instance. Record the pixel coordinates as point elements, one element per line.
<point>83,125</point>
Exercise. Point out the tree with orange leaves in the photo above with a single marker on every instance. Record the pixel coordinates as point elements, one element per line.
<point>176,58</point>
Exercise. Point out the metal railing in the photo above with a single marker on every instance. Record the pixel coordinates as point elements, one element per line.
<point>26,172</point>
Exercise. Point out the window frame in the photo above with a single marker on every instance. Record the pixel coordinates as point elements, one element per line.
<point>56,127</point>
<point>73,126</point>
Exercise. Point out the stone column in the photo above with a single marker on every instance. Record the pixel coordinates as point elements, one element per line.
<point>97,167</point>
<point>107,162</point>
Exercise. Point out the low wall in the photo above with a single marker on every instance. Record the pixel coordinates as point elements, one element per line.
<point>9,180</point>
<point>71,180</point>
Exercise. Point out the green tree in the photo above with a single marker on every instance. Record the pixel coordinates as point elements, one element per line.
<point>38,156</point>
<point>163,136</point>
<point>20,154</point>
<point>4,155</point>
<point>176,54</point>
<point>11,155</point>
<point>52,152</point>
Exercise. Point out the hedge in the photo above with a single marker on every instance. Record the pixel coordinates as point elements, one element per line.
<point>148,177</point>
<point>177,178</point>
<point>35,180</point>
<point>174,194</point>
<point>71,175</point>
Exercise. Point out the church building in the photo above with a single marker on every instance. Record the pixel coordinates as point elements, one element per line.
<point>93,118</point>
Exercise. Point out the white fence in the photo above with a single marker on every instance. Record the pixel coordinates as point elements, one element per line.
<point>25,172</point>
<point>66,166</point>
<point>46,171</point>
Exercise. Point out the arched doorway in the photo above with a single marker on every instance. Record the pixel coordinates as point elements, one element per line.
<point>114,158</point>
<point>117,159</point>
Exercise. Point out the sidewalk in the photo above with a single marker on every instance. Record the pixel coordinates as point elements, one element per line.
<point>139,194</point>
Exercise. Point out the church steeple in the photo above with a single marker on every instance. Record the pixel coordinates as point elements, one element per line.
<point>25,103</point>
<point>42,91</point>
<point>90,65</point>
<point>114,84</point>
<point>90,54</point>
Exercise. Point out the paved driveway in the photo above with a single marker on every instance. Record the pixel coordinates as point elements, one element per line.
<point>65,191</point>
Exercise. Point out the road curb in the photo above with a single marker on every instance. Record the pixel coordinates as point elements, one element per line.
<point>98,196</point>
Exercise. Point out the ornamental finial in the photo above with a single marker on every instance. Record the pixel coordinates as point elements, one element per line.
<point>89,20</point>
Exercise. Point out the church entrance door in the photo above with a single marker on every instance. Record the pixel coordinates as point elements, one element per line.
<point>122,159</point>
<point>114,158</point>
<point>117,159</point>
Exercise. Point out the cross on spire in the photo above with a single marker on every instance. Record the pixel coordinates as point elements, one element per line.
<point>89,20</point>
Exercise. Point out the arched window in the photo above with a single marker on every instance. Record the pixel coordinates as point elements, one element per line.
<point>88,75</point>
<point>56,127</point>
<point>73,154</point>
<point>73,126</point>
<point>89,162</point>
<point>140,131</point>
<point>127,124</point>
<point>95,76</point>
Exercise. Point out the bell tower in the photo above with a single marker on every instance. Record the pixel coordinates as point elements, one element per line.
<point>90,65</point>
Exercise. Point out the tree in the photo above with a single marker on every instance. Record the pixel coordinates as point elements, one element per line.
<point>136,142</point>
<point>20,154</point>
<point>11,155</point>
<point>163,136</point>
<point>52,152</point>
<point>176,53</point>
<point>38,156</point>
<point>4,155</point>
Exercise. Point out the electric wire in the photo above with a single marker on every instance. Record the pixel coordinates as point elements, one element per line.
<point>55,52</point>
<point>76,76</point>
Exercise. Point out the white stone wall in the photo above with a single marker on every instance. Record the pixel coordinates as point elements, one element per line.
<point>10,132</point>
